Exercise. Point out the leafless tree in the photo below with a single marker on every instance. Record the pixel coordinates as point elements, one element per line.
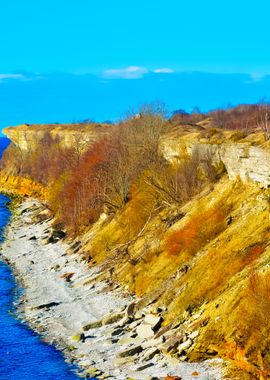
<point>263,118</point>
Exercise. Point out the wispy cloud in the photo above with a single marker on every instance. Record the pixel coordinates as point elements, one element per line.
<point>164,70</point>
<point>134,72</point>
<point>256,77</point>
<point>11,76</point>
<point>130,72</point>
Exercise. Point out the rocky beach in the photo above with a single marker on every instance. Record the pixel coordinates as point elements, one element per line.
<point>94,322</point>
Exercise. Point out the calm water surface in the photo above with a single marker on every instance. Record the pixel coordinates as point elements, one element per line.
<point>23,356</point>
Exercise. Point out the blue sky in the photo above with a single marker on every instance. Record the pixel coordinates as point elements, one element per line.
<point>74,59</point>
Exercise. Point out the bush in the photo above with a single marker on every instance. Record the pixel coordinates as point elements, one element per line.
<point>197,232</point>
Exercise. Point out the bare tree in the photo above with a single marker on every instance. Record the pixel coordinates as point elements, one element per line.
<point>263,117</point>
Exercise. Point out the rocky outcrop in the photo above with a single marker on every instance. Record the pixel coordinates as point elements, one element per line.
<point>250,163</point>
<point>26,137</point>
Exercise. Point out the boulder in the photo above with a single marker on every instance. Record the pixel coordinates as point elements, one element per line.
<point>172,343</point>
<point>134,324</point>
<point>92,325</point>
<point>129,352</point>
<point>93,372</point>
<point>46,305</point>
<point>145,331</point>
<point>58,234</point>
<point>154,321</point>
<point>124,321</point>
<point>130,310</point>
<point>112,318</point>
<point>144,366</point>
<point>126,340</point>
<point>138,315</point>
<point>79,337</point>
<point>117,331</point>
<point>52,240</point>
<point>154,342</point>
<point>184,346</point>
<point>122,361</point>
<point>150,353</point>
<point>194,334</point>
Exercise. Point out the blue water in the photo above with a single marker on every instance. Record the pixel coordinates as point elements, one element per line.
<point>23,356</point>
<point>4,143</point>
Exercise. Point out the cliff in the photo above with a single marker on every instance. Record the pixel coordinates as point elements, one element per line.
<point>26,136</point>
<point>241,158</point>
<point>202,262</point>
<point>248,159</point>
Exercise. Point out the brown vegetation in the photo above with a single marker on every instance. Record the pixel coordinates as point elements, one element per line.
<point>104,177</point>
<point>246,118</point>
<point>200,229</point>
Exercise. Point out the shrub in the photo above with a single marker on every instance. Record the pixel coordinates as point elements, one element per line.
<point>197,232</point>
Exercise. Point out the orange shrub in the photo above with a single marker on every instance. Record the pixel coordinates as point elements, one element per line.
<point>198,230</point>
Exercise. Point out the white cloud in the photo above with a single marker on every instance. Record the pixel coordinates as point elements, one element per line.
<point>256,77</point>
<point>164,70</point>
<point>11,76</point>
<point>130,72</point>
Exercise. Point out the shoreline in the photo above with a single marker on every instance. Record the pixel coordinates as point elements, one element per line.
<point>89,320</point>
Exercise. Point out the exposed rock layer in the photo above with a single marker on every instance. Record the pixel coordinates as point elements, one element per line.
<point>26,137</point>
<point>250,163</point>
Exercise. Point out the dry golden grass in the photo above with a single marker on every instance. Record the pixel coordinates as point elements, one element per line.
<point>22,187</point>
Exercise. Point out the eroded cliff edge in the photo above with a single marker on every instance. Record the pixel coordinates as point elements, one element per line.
<point>25,136</point>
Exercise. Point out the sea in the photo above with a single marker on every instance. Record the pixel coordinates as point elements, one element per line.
<point>23,354</point>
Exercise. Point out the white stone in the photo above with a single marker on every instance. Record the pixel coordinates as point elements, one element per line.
<point>194,334</point>
<point>184,346</point>
<point>144,331</point>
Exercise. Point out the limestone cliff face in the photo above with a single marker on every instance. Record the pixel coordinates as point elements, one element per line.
<point>250,163</point>
<point>26,137</point>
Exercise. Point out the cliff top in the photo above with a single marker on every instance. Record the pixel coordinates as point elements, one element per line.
<point>74,127</point>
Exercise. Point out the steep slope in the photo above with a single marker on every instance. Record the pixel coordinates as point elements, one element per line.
<point>195,262</point>
<point>204,263</point>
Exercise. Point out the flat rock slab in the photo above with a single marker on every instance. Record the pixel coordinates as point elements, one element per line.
<point>129,352</point>
<point>150,353</point>
<point>46,305</point>
<point>145,331</point>
<point>153,320</point>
